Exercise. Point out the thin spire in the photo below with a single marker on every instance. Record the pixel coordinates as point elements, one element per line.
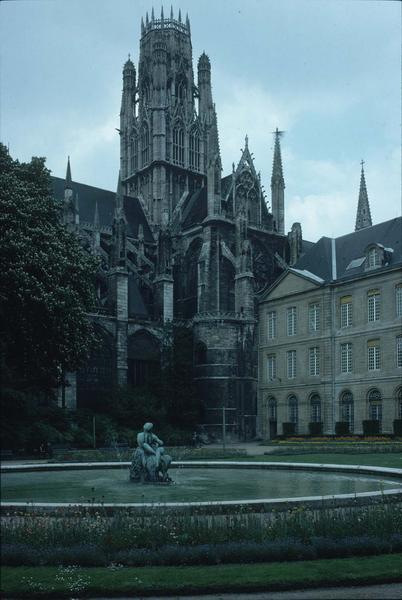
<point>179,15</point>
<point>171,12</point>
<point>363,215</point>
<point>119,198</point>
<point>277,170</point>
<point>69,181</point>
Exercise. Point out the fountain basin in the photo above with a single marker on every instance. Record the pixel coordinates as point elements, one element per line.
<point>203,487</point>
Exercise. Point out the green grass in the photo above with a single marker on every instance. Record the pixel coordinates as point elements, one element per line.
<point>370,459</point>
<point>29,582</point>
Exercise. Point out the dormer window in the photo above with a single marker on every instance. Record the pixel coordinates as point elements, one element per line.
<point>374,256</point>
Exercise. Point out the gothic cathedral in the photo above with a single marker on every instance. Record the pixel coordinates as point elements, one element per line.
<point>180,244</point>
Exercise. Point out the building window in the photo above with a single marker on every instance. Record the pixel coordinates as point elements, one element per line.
<point>347,409</point>
<point>314,316</point>
<point>178,145</point>
<point>373,305</point>
<point>398,300</point>
<point>291,320</point>
<point>134,153</point>
<point>346,357</point>
<point>399,351</point>
<point>194,150</point>
<point>314,361</point>
<point>271,367</point>
<point>346,311</point>
<point>272,409</point>
<point>373,258</point>
<point>315,408</point>
<point>145,144</point>
<point>373,355</point>
<point>375,406</point>
<point>291,363</point>
<point>293,411</point>
<point>272,325</point>
<point>399,403</point>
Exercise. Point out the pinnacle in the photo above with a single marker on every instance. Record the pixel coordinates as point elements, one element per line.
<point>68,183</point>
<point>277,170</point>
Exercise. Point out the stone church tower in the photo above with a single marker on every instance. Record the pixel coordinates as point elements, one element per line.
<point>179,243</point>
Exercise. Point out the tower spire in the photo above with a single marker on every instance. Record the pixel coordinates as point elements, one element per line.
<point>68,182</point>
<point>278,186</point>
<point>363,215</point>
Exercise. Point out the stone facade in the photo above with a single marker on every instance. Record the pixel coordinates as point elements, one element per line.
<point>179,243</point>
<point>340,311</point>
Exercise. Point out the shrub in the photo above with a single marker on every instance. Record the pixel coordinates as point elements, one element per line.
<point>398,427</point>
<point>315,428</point>
<point>371,427</point>
<point>288,429</point>
<point>342,428</point>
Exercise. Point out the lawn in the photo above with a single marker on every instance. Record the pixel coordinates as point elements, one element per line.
<point>28,582</point>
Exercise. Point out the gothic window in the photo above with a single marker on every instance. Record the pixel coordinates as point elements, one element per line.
<point>145,93</point>
<point>134,153</point>
<point>178,145</point>
<point>347,409</point>
<point>180,91</point>
<point>194,154</point>
<point>315,408</point>
<point>145,141</point>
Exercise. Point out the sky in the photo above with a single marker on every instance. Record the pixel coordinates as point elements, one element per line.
<point>326,72</point>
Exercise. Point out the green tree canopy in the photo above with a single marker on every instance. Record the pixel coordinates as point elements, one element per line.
<point>46,280</point>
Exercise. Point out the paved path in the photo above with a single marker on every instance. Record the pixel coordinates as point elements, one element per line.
<point>387,591</point>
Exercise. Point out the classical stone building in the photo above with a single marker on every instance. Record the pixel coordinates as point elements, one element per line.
<point>330,337</point>
<point>180,244</point>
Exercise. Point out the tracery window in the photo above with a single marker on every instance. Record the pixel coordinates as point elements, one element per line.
<point>145,139</point>
<point>178,145</point>
<point>194,150</point>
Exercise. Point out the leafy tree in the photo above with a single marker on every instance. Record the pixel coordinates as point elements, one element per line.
<point>46,281</point>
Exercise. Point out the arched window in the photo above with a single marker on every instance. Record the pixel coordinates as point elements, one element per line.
<point>194,150</point>
<point>180,90</point>
<point>272,408</point>
<point>293,406</point>
<point>375,405</point>
<point>373,258</point>
<point>315,408</point>
<point>134,153</point>
<point>200,354</point>
<point>145,144</point>
<point>347,409</point>
<point>178,145</point>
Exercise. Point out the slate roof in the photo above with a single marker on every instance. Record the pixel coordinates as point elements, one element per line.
<point>318,259</point>
<point>88,196</point>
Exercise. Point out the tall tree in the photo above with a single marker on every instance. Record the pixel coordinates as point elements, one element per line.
<point>46,281</point>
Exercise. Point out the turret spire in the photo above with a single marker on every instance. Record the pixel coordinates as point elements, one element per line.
<point>68,182</point>
<point>278,186</point>
<point>363,216</point>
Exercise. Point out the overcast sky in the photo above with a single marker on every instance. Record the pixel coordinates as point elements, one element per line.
<point>327,72</point>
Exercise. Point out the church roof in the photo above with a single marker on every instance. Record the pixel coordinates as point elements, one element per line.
<point>89,197</point>
<point>350,249</point>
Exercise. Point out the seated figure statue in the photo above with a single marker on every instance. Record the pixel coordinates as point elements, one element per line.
<point>150,462</point>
